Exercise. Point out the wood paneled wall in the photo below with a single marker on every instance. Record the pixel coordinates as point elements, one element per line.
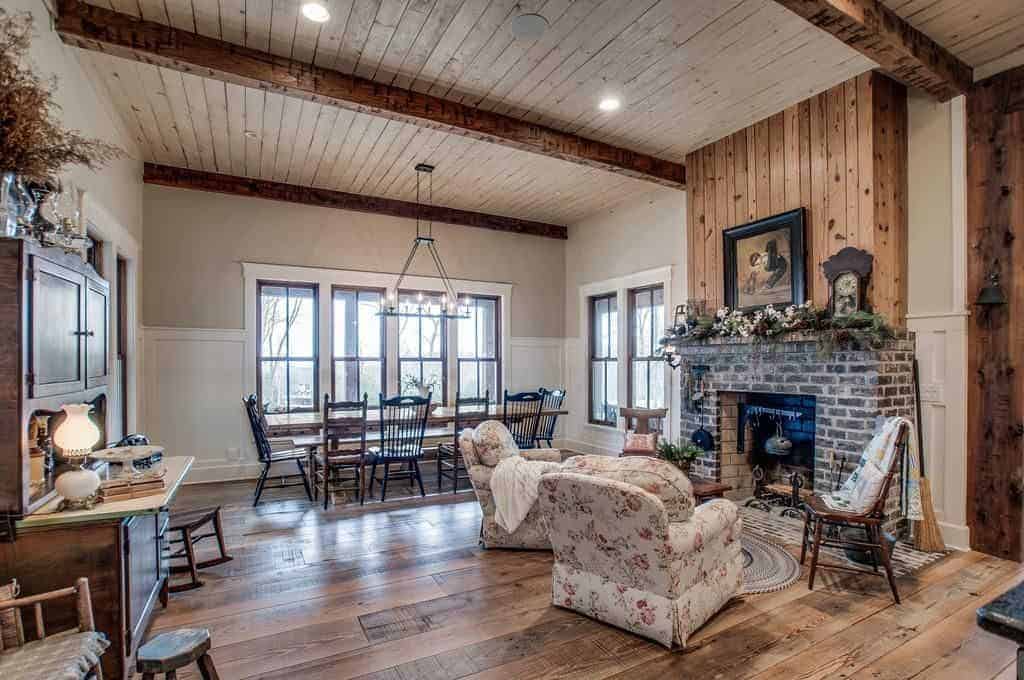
<point>995,393</point>
<point>842,155</point>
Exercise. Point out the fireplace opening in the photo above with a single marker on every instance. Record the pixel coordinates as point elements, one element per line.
<point>777,433</point>
<point>773,435</point>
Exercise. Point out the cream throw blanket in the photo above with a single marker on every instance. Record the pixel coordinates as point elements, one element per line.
<point>860,491</point>
<point>514,484</point>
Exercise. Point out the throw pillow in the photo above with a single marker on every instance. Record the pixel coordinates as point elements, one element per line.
<point>492,442</point>
<point>640,443</point>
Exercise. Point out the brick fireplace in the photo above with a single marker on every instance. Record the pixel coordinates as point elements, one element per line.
<point>845,389</point>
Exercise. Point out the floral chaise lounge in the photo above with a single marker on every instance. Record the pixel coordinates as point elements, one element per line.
<point>482,448</point>
<point>631,549</point>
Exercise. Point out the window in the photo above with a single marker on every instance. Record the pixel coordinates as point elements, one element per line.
<point>287,372</point>
<point>358,345</point>
<point>421,344</point>
<point>478,353</point>
<point>604,381</point>
<point>646,369</point>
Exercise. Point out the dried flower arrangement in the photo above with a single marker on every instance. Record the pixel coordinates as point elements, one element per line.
<point>33,143</point>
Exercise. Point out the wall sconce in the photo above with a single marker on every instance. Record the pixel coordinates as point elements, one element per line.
<point>991,295</point>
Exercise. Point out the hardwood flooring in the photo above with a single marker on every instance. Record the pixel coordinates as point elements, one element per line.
<point>401,591</point>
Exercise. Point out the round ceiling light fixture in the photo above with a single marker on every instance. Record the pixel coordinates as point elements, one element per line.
<point>314,11</point>
<point>529,26</point>
<point>609,104</point>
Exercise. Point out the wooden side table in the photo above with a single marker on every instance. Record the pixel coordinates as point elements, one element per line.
<point>705,489</point>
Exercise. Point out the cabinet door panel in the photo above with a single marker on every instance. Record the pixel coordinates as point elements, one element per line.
<point>57,311</point>
<point>144,569</point>
<point>97,310</point>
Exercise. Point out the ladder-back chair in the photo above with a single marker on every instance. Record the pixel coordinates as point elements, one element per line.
<point>341,458</point>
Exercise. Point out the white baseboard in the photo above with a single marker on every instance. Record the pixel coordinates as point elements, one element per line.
<point>229,472</point>
<point>956,536</point>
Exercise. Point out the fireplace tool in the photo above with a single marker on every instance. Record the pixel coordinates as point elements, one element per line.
<point>700,436</point>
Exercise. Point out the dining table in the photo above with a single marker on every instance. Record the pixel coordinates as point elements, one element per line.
<point>303,430</point>
<point>307,423</point>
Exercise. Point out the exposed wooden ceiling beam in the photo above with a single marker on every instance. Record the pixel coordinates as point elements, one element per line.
<point>103,30</point>
<point>880,34</point>
<point>183,178</point>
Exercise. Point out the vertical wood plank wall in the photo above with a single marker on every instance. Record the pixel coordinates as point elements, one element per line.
<point>842,155</point>
<point>995,236</point>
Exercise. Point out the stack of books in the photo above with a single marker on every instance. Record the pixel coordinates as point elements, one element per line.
<point>121,488</point>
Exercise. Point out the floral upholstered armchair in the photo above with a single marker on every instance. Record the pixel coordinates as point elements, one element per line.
<point>632,550</point>
<point>482,448</point>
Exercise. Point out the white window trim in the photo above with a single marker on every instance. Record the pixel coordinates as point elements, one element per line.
<point>326,278</point>
<point>115,241</point>
<point>621,286</point>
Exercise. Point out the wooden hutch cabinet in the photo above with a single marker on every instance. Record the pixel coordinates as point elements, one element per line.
<point>54,348</point>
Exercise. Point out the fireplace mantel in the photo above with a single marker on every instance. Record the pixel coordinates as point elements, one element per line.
<point>851,386</point>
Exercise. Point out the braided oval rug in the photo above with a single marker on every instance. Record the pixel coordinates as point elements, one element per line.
<point>767,567</point>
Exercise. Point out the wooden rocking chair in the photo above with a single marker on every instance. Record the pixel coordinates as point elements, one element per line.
<point>818,517</point>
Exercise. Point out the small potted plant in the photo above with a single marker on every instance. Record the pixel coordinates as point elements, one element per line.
<point>680,455</point>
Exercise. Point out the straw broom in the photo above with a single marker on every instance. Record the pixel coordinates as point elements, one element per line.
<point>927,536</point>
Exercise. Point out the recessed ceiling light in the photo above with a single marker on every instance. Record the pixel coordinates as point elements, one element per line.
<point>251,134</point>
<point>529,26</point>
<point>609,104</point>
<point>314,11</point>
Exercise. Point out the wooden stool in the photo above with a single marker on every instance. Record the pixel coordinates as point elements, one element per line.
<point>187,524</point>
<point>175,649</point>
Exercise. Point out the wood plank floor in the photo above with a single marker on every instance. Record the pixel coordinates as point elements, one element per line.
<point>401,590</point>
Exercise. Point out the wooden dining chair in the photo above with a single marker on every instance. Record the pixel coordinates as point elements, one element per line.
<point>823,527</point>
<point>552,402</point>
<point>521,415</point>
<point>268,456</point>
<point>450,464</point>
<point>341,458</point>
<point>403,421</point>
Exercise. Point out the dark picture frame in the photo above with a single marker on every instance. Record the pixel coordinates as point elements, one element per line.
<point>762,277</point>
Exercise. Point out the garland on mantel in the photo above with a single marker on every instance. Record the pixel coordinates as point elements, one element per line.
<point>859,330</point>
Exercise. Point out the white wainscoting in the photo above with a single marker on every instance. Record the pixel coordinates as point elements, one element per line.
<point>195,381</point>
<point>942,358</point>
<point>196,378</point>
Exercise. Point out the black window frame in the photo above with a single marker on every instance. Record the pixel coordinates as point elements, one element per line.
<point>496,360</point>
<point>260,359</point>
<point>383,359</point>
<point>592,303</point>
<point>651,360</point>
<point>443,359</point>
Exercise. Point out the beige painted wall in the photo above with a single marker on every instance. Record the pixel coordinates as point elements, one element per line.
<point>643,234</point>
<point>930,218</point>
<point>629,239</point>
<point>195,242</point>
<point>85,106</point>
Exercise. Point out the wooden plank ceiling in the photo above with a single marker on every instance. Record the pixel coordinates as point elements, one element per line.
<point>687,71</point>
<point>986,34</point>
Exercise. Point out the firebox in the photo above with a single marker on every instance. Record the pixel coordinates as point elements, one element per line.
<point>780,431</point>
